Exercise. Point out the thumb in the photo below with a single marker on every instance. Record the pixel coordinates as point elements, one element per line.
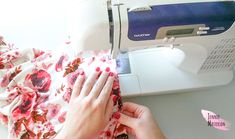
<point>126,120</point>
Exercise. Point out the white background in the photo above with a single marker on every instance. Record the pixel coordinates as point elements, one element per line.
<point>34,23</point>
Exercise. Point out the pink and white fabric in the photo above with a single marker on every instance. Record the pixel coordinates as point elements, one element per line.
<point>35,89</point>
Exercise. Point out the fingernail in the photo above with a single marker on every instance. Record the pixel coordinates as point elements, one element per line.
<point>99,74</point>
<point>116,115</point>
<point>107,69</point>
<point>82,73</point>
<point>111,74</point>
<point>97,69</point>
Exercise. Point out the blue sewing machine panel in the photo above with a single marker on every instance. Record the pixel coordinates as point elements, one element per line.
<point>216,18</point>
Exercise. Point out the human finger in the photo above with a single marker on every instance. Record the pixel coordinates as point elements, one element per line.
<point>89,83</point>
<point>127,120</point>
<point>77,86</point>
<point>133,108</point>
<point>106,91</point>
<point>129,114</point>
<point>109,109</point>
<point>100,83</point>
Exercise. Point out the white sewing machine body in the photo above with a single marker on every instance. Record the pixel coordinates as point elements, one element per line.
<point>196,40</point>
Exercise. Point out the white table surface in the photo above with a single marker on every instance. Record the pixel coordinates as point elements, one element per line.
<point>179,115</point>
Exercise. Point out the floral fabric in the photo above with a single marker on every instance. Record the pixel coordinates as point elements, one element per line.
<point>35,89</point>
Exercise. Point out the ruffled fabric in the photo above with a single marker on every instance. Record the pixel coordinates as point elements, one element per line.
<point>35,89</point>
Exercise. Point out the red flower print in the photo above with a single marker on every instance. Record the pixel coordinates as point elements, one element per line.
<point>17,127</point>
<point>37,52</point>
<point>39,80</point>
<point>72,67</point>
<point>61,118</point>
<point>38,116</point>
<point>5,80</point>
<point>120,128</point>
<point>46,66</point>
<point>16,91</point>
<point>28,135</point>
<point>59,64</point>
<point>3,118</point>
<point>58,90</point>
<point>72,78</point>
<point>108,133</point>
<point>41,98</point>
<point>49,134</point>
<point>9,76</point>
<point>67,95</point>
<point>53,110</point>
<point>115,85</point>
<point>17,71</point>
<point>1,65</point>
<point>23,109</point>
<point>122,136</point>
<point>12,96</point>
<point>37,105</point>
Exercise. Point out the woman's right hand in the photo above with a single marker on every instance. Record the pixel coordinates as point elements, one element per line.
<point>139,121</point>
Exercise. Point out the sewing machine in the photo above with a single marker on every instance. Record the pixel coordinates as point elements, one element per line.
<point>161,46</point>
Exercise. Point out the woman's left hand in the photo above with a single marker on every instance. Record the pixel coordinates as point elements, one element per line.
<point>91,106</point>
